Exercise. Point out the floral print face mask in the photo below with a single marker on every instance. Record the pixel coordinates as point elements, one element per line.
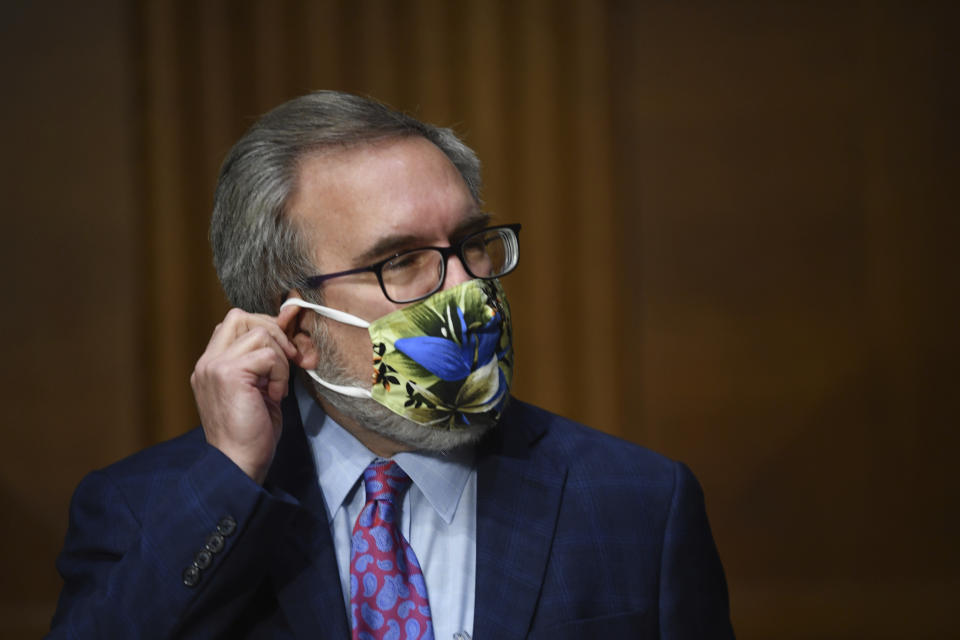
<point>444,362</point>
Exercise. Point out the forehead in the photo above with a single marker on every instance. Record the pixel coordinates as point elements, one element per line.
<point>350,200</point>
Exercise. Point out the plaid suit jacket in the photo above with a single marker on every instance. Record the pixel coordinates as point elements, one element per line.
<point>579,535</point>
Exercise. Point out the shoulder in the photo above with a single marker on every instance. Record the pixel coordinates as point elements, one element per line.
<point>141,474</point>
<point>611,483</point>
<point>170,456</point>
<point>585,451</point>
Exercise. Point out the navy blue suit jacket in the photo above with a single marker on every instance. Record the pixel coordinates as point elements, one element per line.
<point>579,535</point>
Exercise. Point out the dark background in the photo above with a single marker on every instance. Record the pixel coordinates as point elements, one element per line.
<point>740,222</point>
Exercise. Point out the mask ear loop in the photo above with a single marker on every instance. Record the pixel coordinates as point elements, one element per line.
<point>339,316</point>
<point>353,392</point>
<point>333,314</point>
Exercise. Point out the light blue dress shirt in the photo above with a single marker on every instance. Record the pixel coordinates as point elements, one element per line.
<point>438,514</point>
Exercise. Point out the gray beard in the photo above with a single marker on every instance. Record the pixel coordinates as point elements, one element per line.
<point>372,415</point>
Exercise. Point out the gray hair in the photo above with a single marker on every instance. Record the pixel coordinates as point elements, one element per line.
<point>259,253</point>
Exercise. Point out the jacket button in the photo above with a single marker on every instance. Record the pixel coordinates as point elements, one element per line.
<point>191,576</point>
<point>203,559</point>
<point>214,543</point>
<point>226,526</point>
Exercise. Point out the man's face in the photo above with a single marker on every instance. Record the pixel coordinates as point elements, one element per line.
<point>366,203</point>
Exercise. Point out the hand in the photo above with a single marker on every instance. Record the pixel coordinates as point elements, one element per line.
<point>239,382</point>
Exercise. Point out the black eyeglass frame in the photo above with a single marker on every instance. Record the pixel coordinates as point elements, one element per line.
<point>314,282</point>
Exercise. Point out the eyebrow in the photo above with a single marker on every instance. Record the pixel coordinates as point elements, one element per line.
<point>391,245</point>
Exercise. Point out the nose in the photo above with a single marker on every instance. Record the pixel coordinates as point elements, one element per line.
<point>456,274</point>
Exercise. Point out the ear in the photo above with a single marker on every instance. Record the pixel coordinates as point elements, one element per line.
<point>299,330</point>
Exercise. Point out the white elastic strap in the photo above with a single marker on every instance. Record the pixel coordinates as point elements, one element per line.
<point>333,314</point>
<point>339,316</point>
<point>353,392</point>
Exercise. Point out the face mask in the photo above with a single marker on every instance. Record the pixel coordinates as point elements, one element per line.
<point>445,361</point>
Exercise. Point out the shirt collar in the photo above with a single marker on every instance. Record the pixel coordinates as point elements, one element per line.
<point>340,460</point>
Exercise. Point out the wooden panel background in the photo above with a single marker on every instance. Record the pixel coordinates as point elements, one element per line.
<point>739,228</point>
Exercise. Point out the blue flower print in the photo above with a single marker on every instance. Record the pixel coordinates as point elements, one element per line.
<point>451,359</point>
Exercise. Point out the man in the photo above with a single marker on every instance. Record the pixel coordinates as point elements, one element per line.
<point>325,499</point>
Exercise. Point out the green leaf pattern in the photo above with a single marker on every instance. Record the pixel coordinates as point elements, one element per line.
<point>406,387</point>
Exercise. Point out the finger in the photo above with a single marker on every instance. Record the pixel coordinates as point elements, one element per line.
<point>289,322</point>
<point>278,332</point>
<point>288,319</point>
<point>238,323</point>
<point>257,338</point>
<point>268,371</point>
<point>235,322</point>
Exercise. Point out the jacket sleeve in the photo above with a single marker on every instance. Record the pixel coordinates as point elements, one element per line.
<point>176,554</point>
<point>693,589</point>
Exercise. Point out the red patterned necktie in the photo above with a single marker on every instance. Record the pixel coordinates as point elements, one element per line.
<point>388,597</point>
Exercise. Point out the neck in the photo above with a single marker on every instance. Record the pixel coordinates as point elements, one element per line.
<point>378,444</point>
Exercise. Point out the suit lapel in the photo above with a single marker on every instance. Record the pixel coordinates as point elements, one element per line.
<point>518,500</point>
<point>305,574</point>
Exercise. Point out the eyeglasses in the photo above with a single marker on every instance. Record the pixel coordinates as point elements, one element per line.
<point>415,274</point>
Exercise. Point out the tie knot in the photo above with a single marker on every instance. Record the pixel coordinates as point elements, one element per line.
<point>383,480</point>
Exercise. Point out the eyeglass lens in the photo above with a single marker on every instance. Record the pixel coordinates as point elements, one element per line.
<point>488,254</point>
